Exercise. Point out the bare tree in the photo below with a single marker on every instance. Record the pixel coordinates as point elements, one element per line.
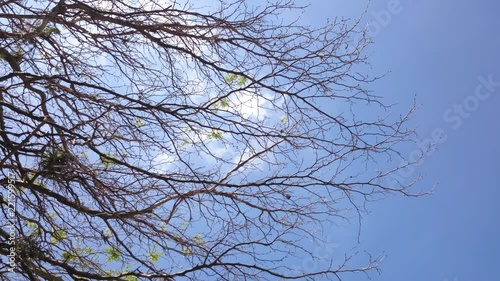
<point>158,140</point>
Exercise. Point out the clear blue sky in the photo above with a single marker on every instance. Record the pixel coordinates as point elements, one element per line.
<point>436,50</point>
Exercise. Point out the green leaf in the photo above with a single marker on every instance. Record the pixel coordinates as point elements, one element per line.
<point>139,123</point>
<point>230,78</point>
<point>67,256</point>
<point>234,78</point>
<point>32,225</point>
<point>186,251</point>
<point>154,255</point>
<point>108,233</point>
<point>113,254</point>
<point>113,273</point>
<point>58,236</point>
<point>88,251</point>
<point>106,159</point>
<point>242,81</point>
<point>51,30</point>
<point>224,103</point>
<point>215,134</point>
<point>283,119</point>
<point>35,230</point>
<point>198,239</point>
<point>129,277</point>
<point>186,141</point>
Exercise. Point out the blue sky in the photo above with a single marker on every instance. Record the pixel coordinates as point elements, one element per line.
<point>436,50</point>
